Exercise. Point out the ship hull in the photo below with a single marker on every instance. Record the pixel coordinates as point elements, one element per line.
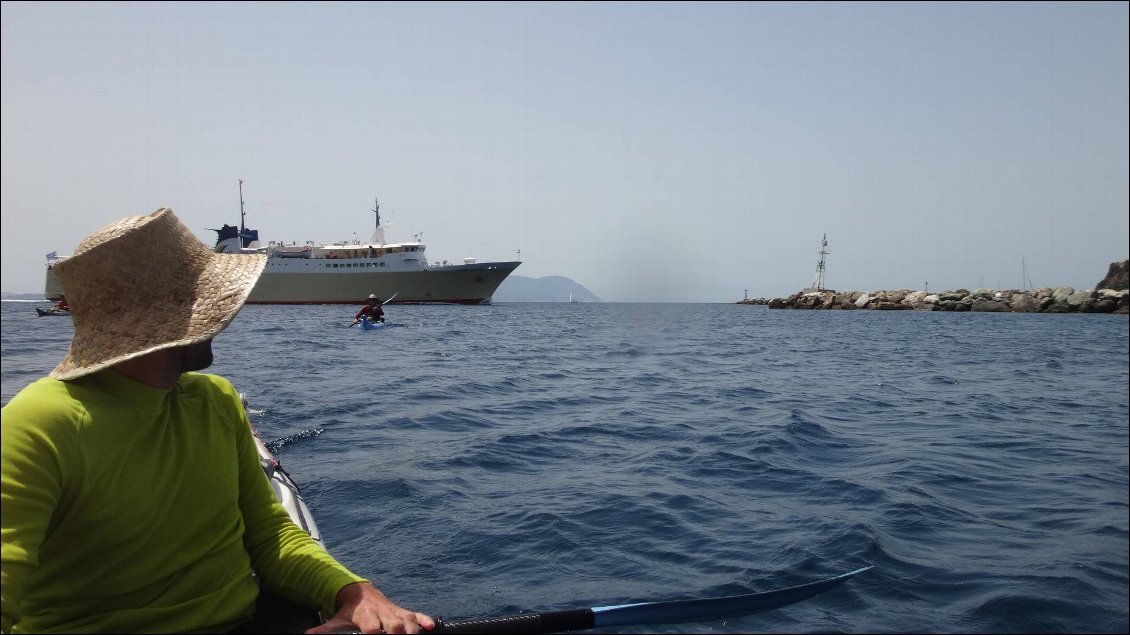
<point>455,284</point>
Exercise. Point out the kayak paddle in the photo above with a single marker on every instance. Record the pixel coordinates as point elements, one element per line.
<point>673,612</point>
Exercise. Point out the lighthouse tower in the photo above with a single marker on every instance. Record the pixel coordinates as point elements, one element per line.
<point>818,281</point>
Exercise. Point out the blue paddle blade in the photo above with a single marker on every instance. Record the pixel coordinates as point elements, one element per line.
<point>712,608</point>
<point>674,612</point>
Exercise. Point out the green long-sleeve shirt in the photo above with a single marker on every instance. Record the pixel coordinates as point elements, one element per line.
<point>132,509</point>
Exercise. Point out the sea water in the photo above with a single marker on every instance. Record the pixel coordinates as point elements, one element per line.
<point>489,460</point>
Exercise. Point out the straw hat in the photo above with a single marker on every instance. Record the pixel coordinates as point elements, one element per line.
<point>146,283</point>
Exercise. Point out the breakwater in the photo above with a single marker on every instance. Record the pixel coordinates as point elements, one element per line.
<point>1044,300</point>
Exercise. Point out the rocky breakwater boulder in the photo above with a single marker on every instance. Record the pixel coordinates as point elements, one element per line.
<point>1045,300</point>
<point>1117,277</point>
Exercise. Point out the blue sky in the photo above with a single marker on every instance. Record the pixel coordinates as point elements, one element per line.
<point>651,152</point>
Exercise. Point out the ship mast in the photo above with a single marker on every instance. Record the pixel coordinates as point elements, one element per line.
<point>242,214</point>
<point>818,282</point>
<point>379,232</point>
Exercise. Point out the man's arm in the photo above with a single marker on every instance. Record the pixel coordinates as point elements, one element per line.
<point>30,487</point>
<point>290,562</point>
<point>283,555</point>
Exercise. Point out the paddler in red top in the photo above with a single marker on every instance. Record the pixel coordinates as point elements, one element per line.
<point>371,310</point>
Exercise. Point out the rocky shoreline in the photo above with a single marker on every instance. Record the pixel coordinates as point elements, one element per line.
<point>1110,296</point>
<point>1046,300</point>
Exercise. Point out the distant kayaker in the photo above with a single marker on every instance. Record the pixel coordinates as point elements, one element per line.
<point>134,500</point>
<point>371,310</point>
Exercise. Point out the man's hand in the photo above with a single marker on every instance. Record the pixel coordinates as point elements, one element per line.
<point>362,607</point>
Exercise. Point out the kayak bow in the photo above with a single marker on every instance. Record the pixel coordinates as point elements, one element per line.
<point>673,612</point>
<point>368,325</point>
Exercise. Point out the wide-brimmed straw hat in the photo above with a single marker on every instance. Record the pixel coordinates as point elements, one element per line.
<point>145,283</point>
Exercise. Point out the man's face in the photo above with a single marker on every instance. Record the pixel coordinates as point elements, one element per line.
<point>196,356</point>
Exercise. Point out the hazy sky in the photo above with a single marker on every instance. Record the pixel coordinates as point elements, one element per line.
<point>651,152</point>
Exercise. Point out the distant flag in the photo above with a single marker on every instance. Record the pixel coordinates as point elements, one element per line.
<point>53,255</point>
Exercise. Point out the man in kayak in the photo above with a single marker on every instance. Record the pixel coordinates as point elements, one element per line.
<point>134,500</point>
<point>371,310</point>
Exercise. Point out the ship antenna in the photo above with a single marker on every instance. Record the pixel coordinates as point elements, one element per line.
<point>242,228</point>
<point>377,211</point>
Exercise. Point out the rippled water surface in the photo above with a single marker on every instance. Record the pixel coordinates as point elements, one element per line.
<point>490,460</point>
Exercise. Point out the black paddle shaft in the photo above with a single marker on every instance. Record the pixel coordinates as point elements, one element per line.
<point>547,622</point>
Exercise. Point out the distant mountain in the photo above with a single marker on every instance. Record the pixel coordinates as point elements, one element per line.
<point>547,289</point>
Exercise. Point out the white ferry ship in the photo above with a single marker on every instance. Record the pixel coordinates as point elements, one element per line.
<point>348,272</point>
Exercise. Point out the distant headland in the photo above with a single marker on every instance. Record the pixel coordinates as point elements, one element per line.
<point>546,289</point>
<point>1110,296</point>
